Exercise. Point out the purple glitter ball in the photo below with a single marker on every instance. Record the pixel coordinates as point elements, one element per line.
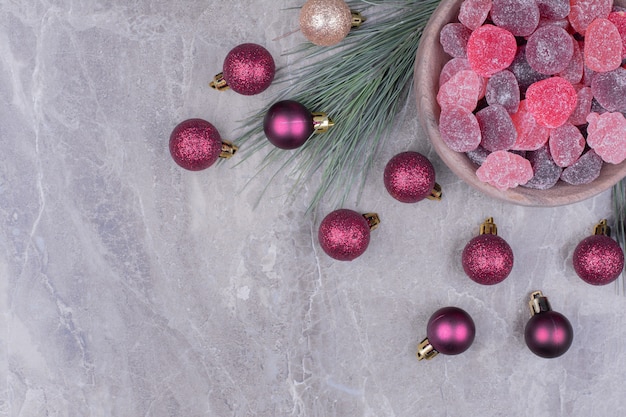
<point>249,69</point>
<point>548,334</point>
<point>451,330</point>
<point>344,234</point>
<point>598,260</point>
<point>195,144</point>
<point>487,259</point>
<point>288,124</point>
<point>409,177</point>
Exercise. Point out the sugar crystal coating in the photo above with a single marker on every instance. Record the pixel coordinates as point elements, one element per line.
<point>551,101</point>
<point>523,71</point>
<point>490,49</point>
<point>459,128</point>
<point>473,13</point>
<point>530,135</point>
<point>566,144</point>
<point>618,18</point>
<point>502,88</point>
<point>545,172</point>
<point>583,107</point>
<point>583,171</point>
<point>455,65</point>
<point>574,70</point>
<point>453,38</point>
<point>520,17</point>
<point>478,155</point>
<point>505,170</point>
<point>461,90</point>
<point>603,46</point>
<point>549,49</point>
<point>496,128</point>
<point>583,12</point>
<point>553,9</point>
<point>609,89</point>
<point>606,135</point>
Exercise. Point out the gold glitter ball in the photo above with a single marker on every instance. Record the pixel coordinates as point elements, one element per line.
<point>325,22</point>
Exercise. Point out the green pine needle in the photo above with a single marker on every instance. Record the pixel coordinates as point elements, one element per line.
<point>619,211</point>
<point>362,84</point>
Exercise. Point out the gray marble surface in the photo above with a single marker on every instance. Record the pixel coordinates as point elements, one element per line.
<point>130,287</point>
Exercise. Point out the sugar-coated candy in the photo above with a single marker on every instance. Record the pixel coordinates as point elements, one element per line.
<point>520,17</point>
<point>504,170</point>
<point>606,135</point>
<point>502,88</point>
<point>478,155</point>
<point>603,46</point>
<point>551,101</point>
<point>453,38</point>
<point>549,49</point>
<point>583,12</point>
<point>530,135</point>
<point>574,70</point>
<point>452,67</point>
<point>473,13</point>
<point>459,128</point>
<point>609,89</point>
<point>619,20</point>
<point>566,144</point>
<point>545,172</point>
<point>496,128</point>
<point>583,171</point>
<point>583,107</point>
<point>490,49</point>
<point>460,90</point>
<point>562,23</point>
<point>523,71</point>
<point>553,9</point>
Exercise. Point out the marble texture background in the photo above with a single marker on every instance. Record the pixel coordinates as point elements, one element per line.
<point>130,287</point>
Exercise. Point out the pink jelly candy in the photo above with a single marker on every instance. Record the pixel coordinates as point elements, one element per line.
<point>523,71</point>
<point>530,135</point>
<point>574,70</point>
<point>453,38</point>
<point>553,9</point>
<point>473,13</point>
<point>583,12</point>
<point>452,67</point>
<point>490,49</point>
<point>566,144</point>
<point>606,135</point>
<point>502,88</point>
<point>549,49</point>
<point>583,171</point>
<point>583,107</point>
<point>504,170</point>
<point>609,88</point>
<point>603,46</point>
<point>496,128</point>
<point>619,20</point>
<point>520,17</point>
<point>461,90</point>
<point>551,101</point>
<point>545,172</point>
<point>459,129</point>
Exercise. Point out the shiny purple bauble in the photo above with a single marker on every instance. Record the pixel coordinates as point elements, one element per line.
<point>487,259</point>
<point>548,334</point>
<point>249,69</point>
<point>195,144</point>
<point>288,124</point>
<point>598,260</point>
<point>409,177</point>
<point>344,234</point>
<point>451,330</point>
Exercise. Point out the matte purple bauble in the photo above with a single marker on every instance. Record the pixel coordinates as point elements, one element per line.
<point>451,330</point>
<point>195,144</point>
<point>598,260</point>
<point>409,177</point>
<point>548,334</point>
<point>288,124</point>
<point>249,69</point>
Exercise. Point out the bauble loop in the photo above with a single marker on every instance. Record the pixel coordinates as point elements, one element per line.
<point>195,144</point>
<point>288,124</point>
<point>325,22</point>
<point>344,234</point>
<point>249,69</point>
<point>598,260</point>
<point>451,330</point>
<point>409,177</point>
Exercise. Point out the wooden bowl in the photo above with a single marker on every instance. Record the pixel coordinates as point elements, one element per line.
<point>429,61</point>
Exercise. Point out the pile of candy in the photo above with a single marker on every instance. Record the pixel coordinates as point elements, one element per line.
<point>535,91</point>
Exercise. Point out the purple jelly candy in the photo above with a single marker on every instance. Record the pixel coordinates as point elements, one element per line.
<point>473,13</point>
<point>502,89</point>
<point>553,9</point>
<point>459,129</point>
<point>566,144</point>
<point>478,155</point>
<point>523,71</point>
<point>549,50</point>
<point>583,107</point>
<point>520,17</point>
<point>574,70</point>
<point>496,127</point>
<point>609,88</point>
<point>583,171</point>
<point>546,172</point>
<point>453,38</point>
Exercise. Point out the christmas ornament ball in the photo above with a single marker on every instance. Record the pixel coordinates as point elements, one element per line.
<point>451,330</point>
<point>325,22</point>
<point>344,234</point>
<point>249,69</point>
<point>409,177</point>
<point>288,124</point>
<point>598,260</point>
<point>195,144</point>
<point>548,334</point>
<point>487,259</point>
